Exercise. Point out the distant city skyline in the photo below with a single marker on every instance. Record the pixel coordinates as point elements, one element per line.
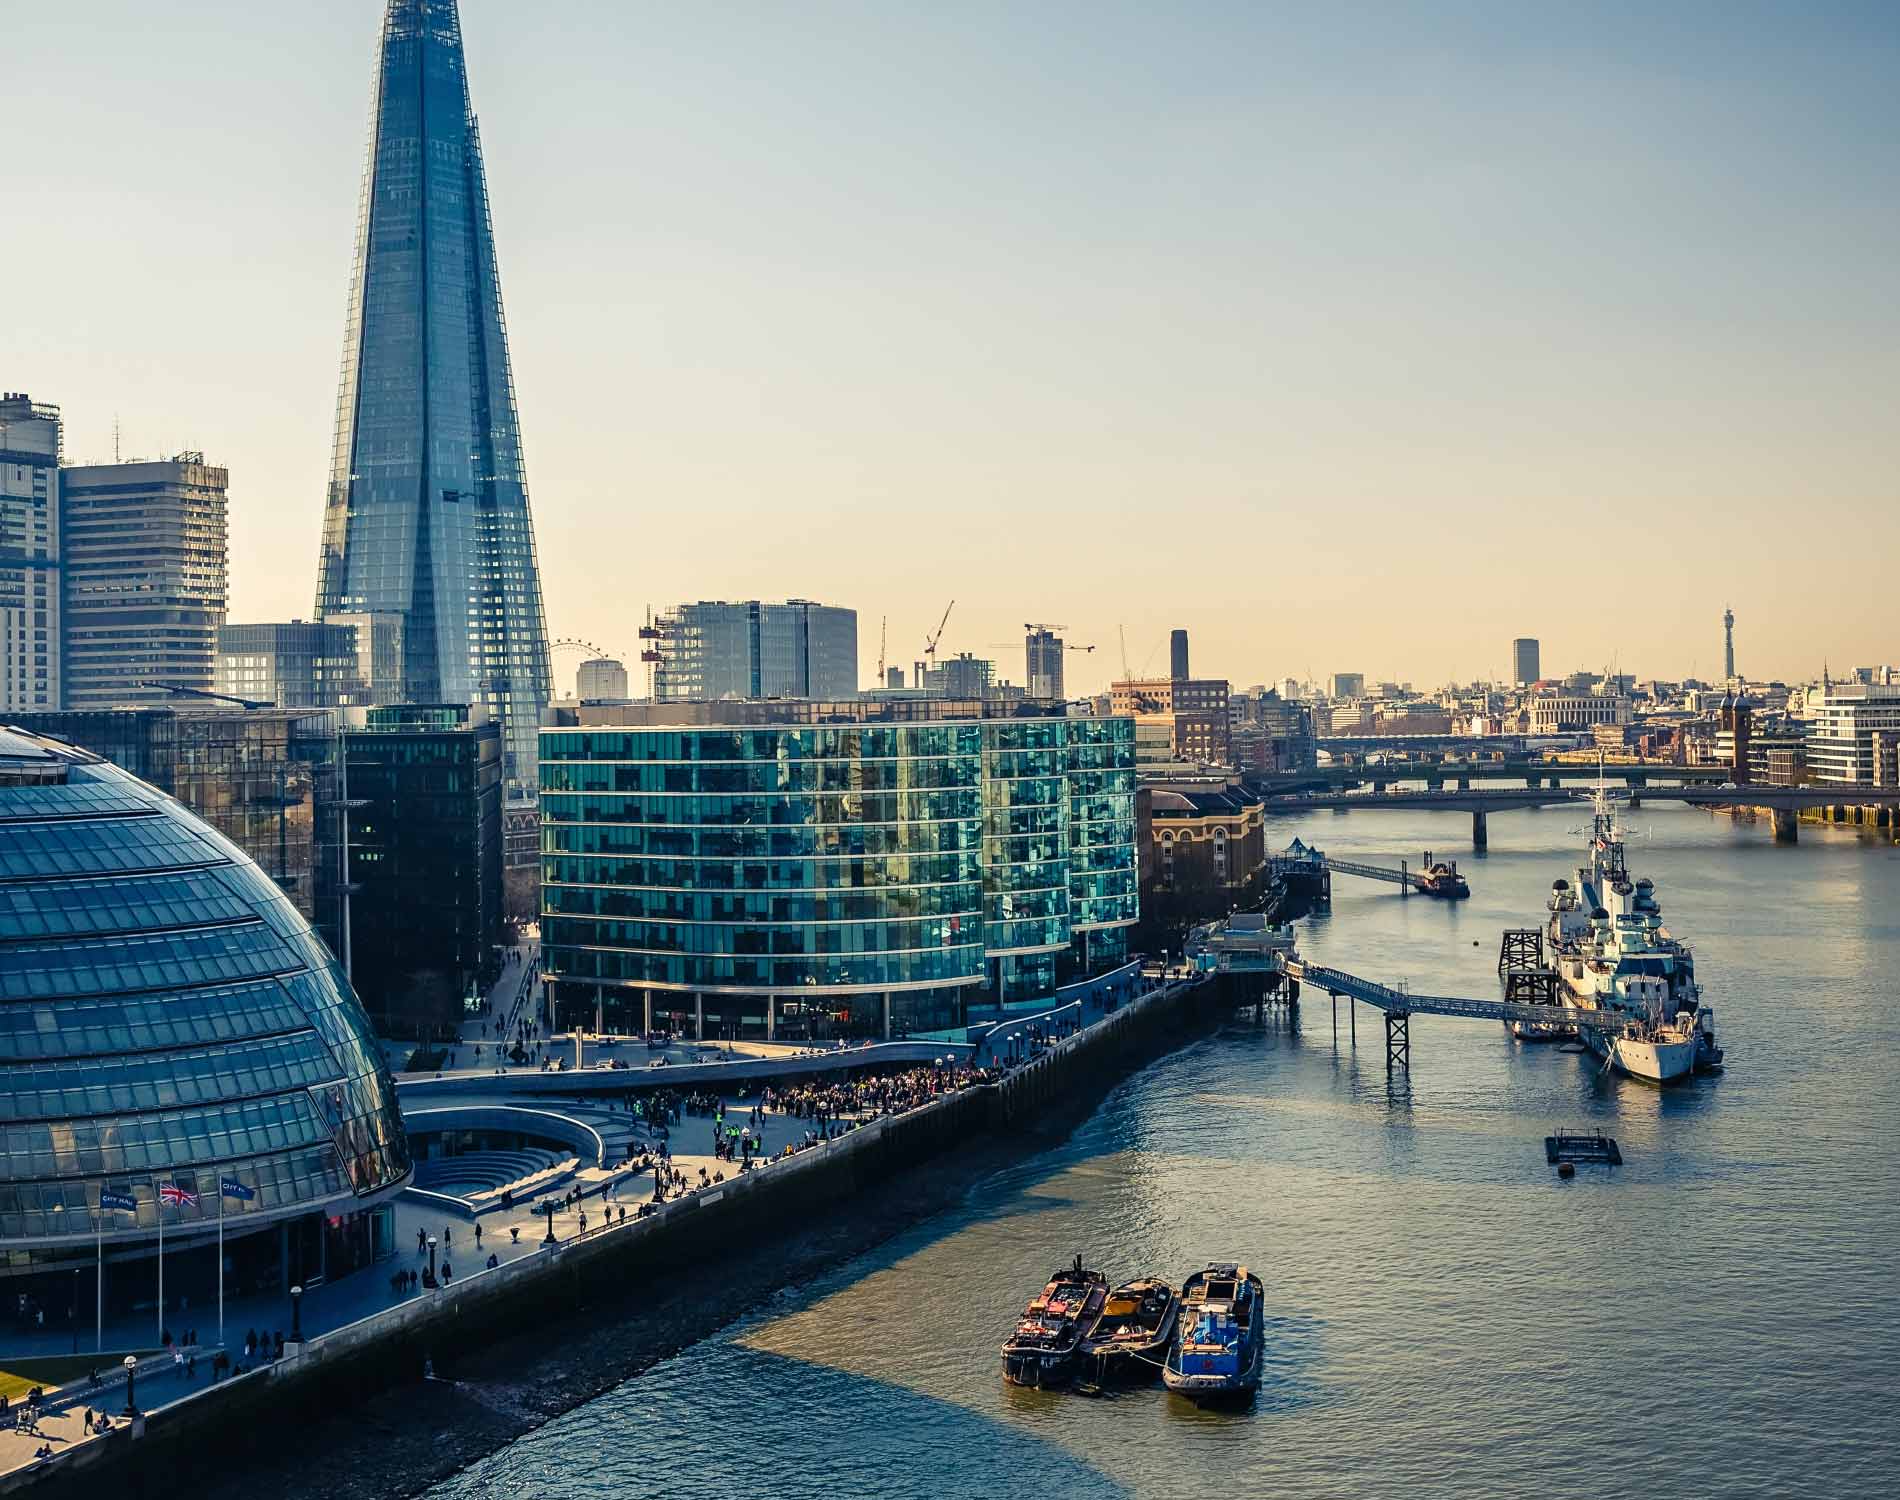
<point>1445,325</point>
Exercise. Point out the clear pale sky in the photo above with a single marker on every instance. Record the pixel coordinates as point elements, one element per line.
<point>1350,336</point>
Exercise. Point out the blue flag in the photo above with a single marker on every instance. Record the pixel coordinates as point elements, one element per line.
<point>110,1199</point>
<point>232,1188</point>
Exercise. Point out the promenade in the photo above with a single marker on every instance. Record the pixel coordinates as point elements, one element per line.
<point>608,1203</point>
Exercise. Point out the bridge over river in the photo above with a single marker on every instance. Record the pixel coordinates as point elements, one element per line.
<point>1784,802</point>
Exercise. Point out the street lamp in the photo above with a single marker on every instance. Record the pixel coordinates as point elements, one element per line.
<point>131,1369</point>
<point>431,1280</point>
<point>548,1209</point>
<point>296,1315</point>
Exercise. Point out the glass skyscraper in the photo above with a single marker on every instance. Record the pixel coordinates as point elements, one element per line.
<point>427,513</point>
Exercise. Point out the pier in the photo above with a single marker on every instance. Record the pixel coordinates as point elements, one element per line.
<point>1431,879</point>
<point>1399,1006</point>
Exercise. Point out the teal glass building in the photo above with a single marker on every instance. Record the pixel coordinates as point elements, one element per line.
<point>870,870</point>
<point>426,522</point>
<point>168,1018</point>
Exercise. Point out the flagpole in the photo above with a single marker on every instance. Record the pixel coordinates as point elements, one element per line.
<point>99,1286</point>
<point>161,1268</point>
<point>221,1262</point>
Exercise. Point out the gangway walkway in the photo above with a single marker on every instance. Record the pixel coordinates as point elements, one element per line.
<point>1400,1005</point>
<point>1433,880</point>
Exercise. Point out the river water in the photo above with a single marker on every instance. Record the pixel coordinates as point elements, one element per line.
<point>1719,1316</point>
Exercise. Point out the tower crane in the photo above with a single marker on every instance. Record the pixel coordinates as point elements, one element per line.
<point>930,641</point>
<point>883,641</point>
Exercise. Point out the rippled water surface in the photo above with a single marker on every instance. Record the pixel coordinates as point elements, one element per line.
<point>1720,1316</point>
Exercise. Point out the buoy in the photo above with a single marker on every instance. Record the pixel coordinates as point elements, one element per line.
<point>1566,1169</point>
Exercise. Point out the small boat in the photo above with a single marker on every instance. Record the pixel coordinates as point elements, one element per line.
<point>1129,1342</point>
<point>1043,1351</point>
<point>1218,1342</point>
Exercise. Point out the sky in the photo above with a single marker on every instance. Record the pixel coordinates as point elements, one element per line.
<point>1349,336</point>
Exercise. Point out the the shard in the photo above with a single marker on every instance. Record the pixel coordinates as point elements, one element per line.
<point>427,537</point>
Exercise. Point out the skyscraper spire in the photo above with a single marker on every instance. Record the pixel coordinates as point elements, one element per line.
<point>426,524</point>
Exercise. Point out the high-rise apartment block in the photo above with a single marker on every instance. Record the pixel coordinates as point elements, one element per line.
<point>30,639</point>
<point>715,649</point>
<point>1042,652</point>
<point>143,553</point>
<point>1347,685</point>
<point>1526,666</point>
<point>1178,655</point>
<point>426,516</point>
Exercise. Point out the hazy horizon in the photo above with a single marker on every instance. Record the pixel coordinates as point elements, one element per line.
<point>1351,339</point>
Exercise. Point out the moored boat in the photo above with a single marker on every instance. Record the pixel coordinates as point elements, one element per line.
<point>1218,1345</point>
<point>1044,1349</point>
<point>1615,959</point>
<point>1129,1342</point>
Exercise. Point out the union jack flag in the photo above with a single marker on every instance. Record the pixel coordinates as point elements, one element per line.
<point>172,1193</point>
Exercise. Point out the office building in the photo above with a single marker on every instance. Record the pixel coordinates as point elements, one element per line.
<point>1526,666</point>
<point>807,870</point>
<point>30,635</point>
<point>1042,662</point>
<point>377,673</point>
<point>715,649</point>
<point>264,778</point>
<point>1206,839</point>
<point>426,516</point>
<point>1843,718</point>
<point>1178,655</point>
<point>143,552</point>
<point>961,676</point>
<point>1347,685</point>
<point>1194,709</point>
<point>170,1021</point>
<point>424,784</point>
<point>293,664</point>
<point>601,680</point>
<point>1558,713</point>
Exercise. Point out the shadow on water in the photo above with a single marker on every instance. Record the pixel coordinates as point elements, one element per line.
<point>728,1419</point>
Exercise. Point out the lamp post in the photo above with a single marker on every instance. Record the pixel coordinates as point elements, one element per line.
<point>431,1281</point>
<point>296,1315</point>
<point>548,1209</point>
<point>131,1369</point>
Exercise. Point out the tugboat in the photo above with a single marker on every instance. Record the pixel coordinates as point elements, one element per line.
<point>1044,1349</point>
<point>1218,1343</point>
<point>1129,1342</point>
<point>1613,954</point>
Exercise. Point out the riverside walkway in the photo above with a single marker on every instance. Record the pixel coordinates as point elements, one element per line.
<point>369,1302</point>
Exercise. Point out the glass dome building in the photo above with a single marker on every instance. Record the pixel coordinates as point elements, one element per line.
<point>169,1025</point>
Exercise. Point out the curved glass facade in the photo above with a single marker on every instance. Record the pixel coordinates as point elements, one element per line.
<point>818,879</point>
<point>166,1017</point>
<point>1104,879</point>
<point>764,861</point>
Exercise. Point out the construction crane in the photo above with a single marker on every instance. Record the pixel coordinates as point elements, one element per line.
<point>1122,631</point>
<point>930,642</point>
<point>883,640</point>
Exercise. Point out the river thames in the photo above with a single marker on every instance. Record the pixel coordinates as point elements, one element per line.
<point>1720,1316</point>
